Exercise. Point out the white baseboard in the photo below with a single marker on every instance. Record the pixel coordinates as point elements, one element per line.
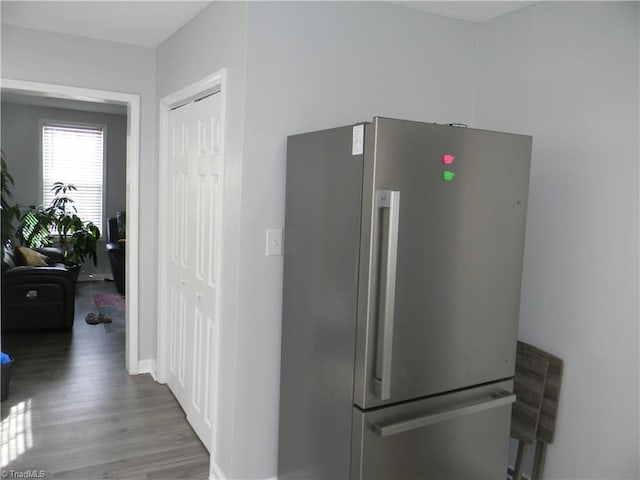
<point>215,472</point>
<point>93,277</point>
<point>148,366</point>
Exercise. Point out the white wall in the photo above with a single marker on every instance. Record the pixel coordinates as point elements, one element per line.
<point>567,73</point>
<point>309,65</point>
<point>313,65</point>
<point>20,142</point>
<point>37,56</point>
<point>215,39</point>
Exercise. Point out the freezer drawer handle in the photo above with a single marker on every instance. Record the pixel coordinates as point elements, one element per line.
<point>388,199</point>
<point>498,399</point>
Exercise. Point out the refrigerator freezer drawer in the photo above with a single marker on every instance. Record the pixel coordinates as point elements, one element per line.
<point>458,436</point>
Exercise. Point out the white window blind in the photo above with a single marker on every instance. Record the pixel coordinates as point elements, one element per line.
<point>75,154</point>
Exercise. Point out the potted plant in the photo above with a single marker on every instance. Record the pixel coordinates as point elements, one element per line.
<point>77,238</point>
<point>10,213</point>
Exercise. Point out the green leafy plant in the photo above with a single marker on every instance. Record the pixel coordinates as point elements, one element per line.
<point>40,226</point>
<point>10,213</point>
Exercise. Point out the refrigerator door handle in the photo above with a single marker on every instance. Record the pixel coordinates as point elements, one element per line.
<point>497,399</point>
<point>387,199</point>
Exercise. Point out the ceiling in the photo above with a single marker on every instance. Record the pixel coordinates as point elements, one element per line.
<point>149,23</point>
<point>477,12</point>
<point>9,96</point>
<point>142,23</point>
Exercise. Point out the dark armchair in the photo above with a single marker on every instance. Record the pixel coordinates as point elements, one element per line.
<point>116,248</point>
<point>37,297</point>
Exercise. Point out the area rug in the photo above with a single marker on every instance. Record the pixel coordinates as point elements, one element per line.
<point>113,305</point>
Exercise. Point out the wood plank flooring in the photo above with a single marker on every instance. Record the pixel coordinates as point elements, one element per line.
<point>74,413</point>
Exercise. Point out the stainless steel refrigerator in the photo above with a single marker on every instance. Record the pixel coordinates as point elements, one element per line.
<point>402,269</point>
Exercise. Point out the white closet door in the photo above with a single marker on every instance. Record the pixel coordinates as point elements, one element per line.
<point>195,133</point>
<point>207,211</point>
<point>179,268</point>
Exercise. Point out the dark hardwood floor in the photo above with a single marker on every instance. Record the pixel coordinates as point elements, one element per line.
<point>74,412</point>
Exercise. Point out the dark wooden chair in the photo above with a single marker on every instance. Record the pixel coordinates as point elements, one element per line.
<point>533,417</point>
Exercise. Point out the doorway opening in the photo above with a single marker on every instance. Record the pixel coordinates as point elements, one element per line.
<point>130,104</point>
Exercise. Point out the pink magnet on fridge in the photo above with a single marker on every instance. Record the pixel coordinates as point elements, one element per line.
<point>448,159</point>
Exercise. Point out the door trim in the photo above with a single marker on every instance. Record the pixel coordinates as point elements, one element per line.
<point>211,84</point>
<point>132,103</point>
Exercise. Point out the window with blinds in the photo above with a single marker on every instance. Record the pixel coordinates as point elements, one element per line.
<point>75,154</point>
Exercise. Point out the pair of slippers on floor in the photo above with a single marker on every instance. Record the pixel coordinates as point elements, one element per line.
<point>93,319</point>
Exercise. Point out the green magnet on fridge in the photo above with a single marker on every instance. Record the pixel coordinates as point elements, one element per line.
<point>448,175</point>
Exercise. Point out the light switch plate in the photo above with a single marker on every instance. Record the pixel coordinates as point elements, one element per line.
<point>274,242</point>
